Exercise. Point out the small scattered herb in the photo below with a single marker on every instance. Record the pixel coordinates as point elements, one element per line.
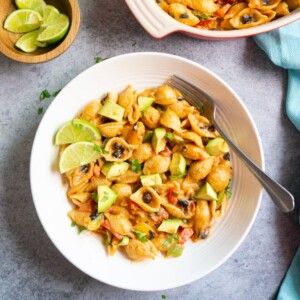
<point>73,223</point>
<point>80,229</point>
<point>95,197</point>
<point>201,15</point>
<point>107,240</point>
<point>56,93</point>
<point>200,108</point>
<point>99,149</point>
<point>136,166</point>
<point>169,135</point>
<point>40,110</point>
<point>163,297</point>
<point>228,194</point>
<point>44,94</point>
<point>141,236</point>
<point>99,59</point>
<point>227,190</point>
<point>173,237</point>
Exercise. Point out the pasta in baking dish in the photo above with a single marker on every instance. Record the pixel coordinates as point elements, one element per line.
<point>226,14</point>
<point>162,177</point>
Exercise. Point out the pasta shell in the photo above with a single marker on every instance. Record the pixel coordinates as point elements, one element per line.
<point>134,114</point>
<point>182,14</point>
<point>179,213</point>
<point>235,9</point>
<point>270,14</point>
<point>90,112</point>
<point>123,191</point>
<point>263,4</point>
<point>119,223</point>
<point>282,9</point>
<point>118,150</point>
<point>80,198</point>
<point>192,152</point>
<point>137,250</point>
<point>111,129</point>
<point>127,97</point>
<point>200,169</point>
<point>248,17</point>
<point>182,109</point>
<point>165,95</point>
<point>202,126</point>
<point>153,206</point>
<point>293,4</point>
<point>219,176</point>
<point>80,174</point>
<point>170,120</point>
<point>128,177</point>
<point>136,134</point>
<point>81,218</point>
<point>151,117</point>
<point>157,164</point>
<point>192,136</point>
<point>202,219</point>
<point>207,6</point>
<point>143,152</point>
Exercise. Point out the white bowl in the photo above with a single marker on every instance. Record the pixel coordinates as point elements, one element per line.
<point>86,251</point>
<point>159,24</point>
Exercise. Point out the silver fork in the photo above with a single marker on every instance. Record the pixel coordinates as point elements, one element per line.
<point>283,199</point>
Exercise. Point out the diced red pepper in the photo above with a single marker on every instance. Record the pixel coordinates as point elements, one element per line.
<point>172,196</point>
<point>166,152</point>
<point>203,23</point>
<point>184,235</point>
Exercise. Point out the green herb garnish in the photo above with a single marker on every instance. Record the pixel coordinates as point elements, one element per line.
<point>99,59</point>
<point>175,250</point>
<point>170,135</point>
<point>201,15</point>
<point>44,94</point>
<point>99,149</point>
<point>40,110</point>
<point>173,237</point>
<point>200,108</point>
<point>107,240</point>
<point>136,166</point>
<point>80,229</point>
<point>73,224</point>
<point>141,236</point>
<point>56,93</point>
<point>163,297</point>
<point>95,197</point>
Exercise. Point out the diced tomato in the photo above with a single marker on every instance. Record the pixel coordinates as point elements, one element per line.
<point>96,171</point>
<point>166,152</point>
<point>88,206</point>
<point>184,235</point>
<point>172,196</point>
<point>203,23</point>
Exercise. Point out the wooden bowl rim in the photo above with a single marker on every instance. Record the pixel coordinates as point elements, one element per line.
<point>57,51</point>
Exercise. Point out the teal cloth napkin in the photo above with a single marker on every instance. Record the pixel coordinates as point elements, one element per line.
<point>283,48</point>
<point>290,288</point>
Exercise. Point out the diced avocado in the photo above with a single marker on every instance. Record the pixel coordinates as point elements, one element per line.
<point>175,250</point>
<point>148,136</point>
<point>113,169</point>
<point>159,140</point>
<point>206,192</point>
<point>178,164</point>
<point>112,110</point>
<point>124,241</point>
<point>145,102</point>
<point>152,179</point>
<point>217,146</point>
<point>169,226</point>
<point>95,221</point>
<point>106,198</point>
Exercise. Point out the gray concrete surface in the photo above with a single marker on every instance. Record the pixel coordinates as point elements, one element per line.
<point>30,265</point>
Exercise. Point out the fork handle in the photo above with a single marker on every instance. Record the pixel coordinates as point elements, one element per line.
<point>283,199</point>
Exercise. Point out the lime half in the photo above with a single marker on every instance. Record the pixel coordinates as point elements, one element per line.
<point>27,42</point>
<point>55,31</point>
<point>37,5</point>
<point>50,16</point>
<point>22,21</point>
<point>76,155</point>
<point>77,130</point>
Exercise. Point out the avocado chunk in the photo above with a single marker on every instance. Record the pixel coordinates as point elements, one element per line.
<point>106,198</point>
<point>125,241</point>
<point>145,102</point>
<point>206,192</point>
<point>169,226</point>
<point>217,146</point>
<point>152,179</point>
<point>178,165</point>
<point>159,140</point>
<point>148,136</point>
<point>95,221</point>
<point>112,110</point>
<point>113,169</point>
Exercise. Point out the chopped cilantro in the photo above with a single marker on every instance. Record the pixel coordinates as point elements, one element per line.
<point>44,94</point>
<point>80,229</point>
<point>163,297</point>
<point>99,59</point>
<point>95,197</point>
<point>170,239</point>
<point>56,93</point>
<point>141,236</point>
<point>73,223</point>
<point>169,135</point>
<point>200,108</point>
<point>99,149</point>
<point>40,110</point>
<point>136,166</point>
<point>201,15</point>
<point>107,239</point>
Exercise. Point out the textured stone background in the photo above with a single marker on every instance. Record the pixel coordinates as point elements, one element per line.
<point>32,268</point>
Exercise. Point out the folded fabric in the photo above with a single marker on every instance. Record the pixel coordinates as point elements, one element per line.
<point>283,48</point>
<point>290,288</point>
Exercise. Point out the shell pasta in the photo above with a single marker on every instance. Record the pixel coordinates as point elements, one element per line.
<point>161,177</point>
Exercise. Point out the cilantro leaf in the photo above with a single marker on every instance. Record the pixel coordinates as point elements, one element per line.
<point>80,229</point>
<point>170,239</point>
<point>169,135</point>
<point>73,223</point>
<point>95,197</point>
<point>136,166</point>
<point>201,15</point>
<point>163,297</point>
<point>56,93</point>
<point>44,94</point>
<point>40,110</point>
<point>99,59</point>
<point>141,236</point>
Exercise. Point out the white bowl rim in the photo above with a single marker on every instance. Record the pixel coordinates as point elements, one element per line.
<point>159,24</point>
<point>261,164</point>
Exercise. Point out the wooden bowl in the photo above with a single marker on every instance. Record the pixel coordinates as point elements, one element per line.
<point>8,39</point>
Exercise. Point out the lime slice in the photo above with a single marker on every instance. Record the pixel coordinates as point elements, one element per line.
<point>22,21</point>
<point>50,16</point>
<point>77,130</point>
<point>55,31</point>
<point>37,5</point>
<point>27,42</point>
<point>76,155</point>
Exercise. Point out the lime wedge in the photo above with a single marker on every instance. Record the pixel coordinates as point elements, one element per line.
<point>37,5</point>
<point>77,130</point>
<point>51,13</point>
<point>27,42</point>
<point>55,31</point>
<point>22,21</point>
<point>76,155</point>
